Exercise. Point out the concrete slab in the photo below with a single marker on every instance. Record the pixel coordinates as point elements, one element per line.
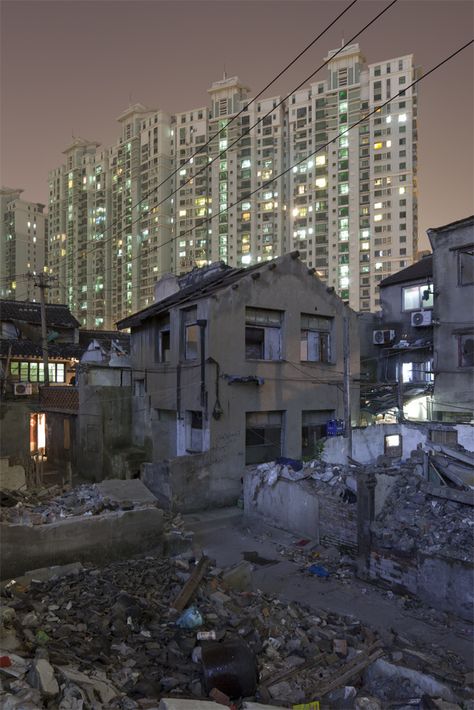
<point>12,478</point>
<point>97,538</point>
<point>127,490</point>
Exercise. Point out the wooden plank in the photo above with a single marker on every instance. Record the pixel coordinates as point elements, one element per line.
<point>283,675</point>
<point>189,589</point>
<point>356,666</point>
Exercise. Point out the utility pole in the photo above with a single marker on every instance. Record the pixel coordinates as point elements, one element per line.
<point>400,388</point>
<point>347,383</point>
<point>41,282</point>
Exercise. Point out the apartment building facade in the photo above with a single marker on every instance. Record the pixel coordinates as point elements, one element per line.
<point>244,182</point>
<point>22,244</point>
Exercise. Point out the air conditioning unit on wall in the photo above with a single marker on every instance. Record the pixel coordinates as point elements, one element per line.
<point>22,388</point>
<point>421,318</point>
<point>382,337</point>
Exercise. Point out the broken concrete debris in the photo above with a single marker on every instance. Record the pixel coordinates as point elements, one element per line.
<point>108,638</point>
<point>49,505</point>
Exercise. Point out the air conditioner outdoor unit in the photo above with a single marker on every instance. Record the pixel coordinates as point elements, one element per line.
<point>382,337</point>
<point>22,388</point>
<point>421,318</point>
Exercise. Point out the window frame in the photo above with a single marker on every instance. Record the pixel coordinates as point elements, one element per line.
<point>188,318</point>
<point>324,339</point>
<point>271,342</point>
<point>464,250</point>
<point>461,356</point>
<point>421,304</point>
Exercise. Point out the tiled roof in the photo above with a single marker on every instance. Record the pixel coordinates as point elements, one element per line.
<point>25,348</point>
<point>56,315</point>
<point>420,270</point>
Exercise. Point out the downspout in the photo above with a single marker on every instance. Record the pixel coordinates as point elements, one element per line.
<point>202,332</point>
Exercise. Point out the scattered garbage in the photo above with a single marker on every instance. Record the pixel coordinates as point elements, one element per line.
<point>318,571</point>
<point>190,619</point>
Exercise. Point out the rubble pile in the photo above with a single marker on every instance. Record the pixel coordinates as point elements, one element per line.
<point>330,479</point>
<point>51,504</point>
<point>413,520</point>
<point>123,636</point>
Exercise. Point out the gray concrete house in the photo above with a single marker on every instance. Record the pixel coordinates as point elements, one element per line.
<point>401,342</point>
<point>233,367</point>
<point>453,316</point>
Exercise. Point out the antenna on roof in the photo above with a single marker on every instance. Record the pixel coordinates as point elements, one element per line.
<point>129,98</point>
<point>225,74</point>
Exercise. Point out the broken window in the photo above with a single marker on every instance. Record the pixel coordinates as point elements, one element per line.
<point>189,334</point>
<point>313,429</point>
<point>466,266</point>
<point>194,430</point>
<point>163,340</point>
<point>444,436</point>
<point>262,334</point>
<point>263,436</point>
<point>417,297</point>
<point>315,342</point>
<point>393,445</point>
<point>466,350</point>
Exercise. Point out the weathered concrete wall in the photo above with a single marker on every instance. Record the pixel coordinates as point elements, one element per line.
<point>290,506</point>
<point>15,427</point>
<point>95,539</point>
<point>444,583</point>
<point>466,436</point>
<point>11,477</point>
<point>301,509</point>
<point>105,426</point>
<point>454,384</point>
<point>195,482</point>
<point>368,443</point>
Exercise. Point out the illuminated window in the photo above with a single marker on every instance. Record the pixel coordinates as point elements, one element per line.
<point>401,190</point>
<point>246,216</point>
<point>182,213</point>
<point>389,144</point>
<point>378,206</point>
<point>320,160</point>
<point>402,118</point>
<point>321,183</point>
<point>245,163</point>
<point>377,218</point>
<point>377,146</point>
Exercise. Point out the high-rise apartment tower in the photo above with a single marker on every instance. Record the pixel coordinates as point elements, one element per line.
<point>346,199</point>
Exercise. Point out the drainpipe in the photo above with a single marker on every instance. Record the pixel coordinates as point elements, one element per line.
<point>202,328</point>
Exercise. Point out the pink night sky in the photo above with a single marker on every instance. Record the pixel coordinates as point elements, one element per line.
<point>72,67</point>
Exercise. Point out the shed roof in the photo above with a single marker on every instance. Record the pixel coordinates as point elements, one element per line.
<point>420,270</point>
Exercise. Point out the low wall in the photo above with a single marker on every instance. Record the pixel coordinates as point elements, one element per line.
<point>301,509</point>
<point>368,443</point>
<point>291,506</point>
<point>96,539</point>
<point>444,583</point>
<point>191,483</point>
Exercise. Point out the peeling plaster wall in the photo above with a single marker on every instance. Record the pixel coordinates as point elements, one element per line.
<point>368,443</point>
